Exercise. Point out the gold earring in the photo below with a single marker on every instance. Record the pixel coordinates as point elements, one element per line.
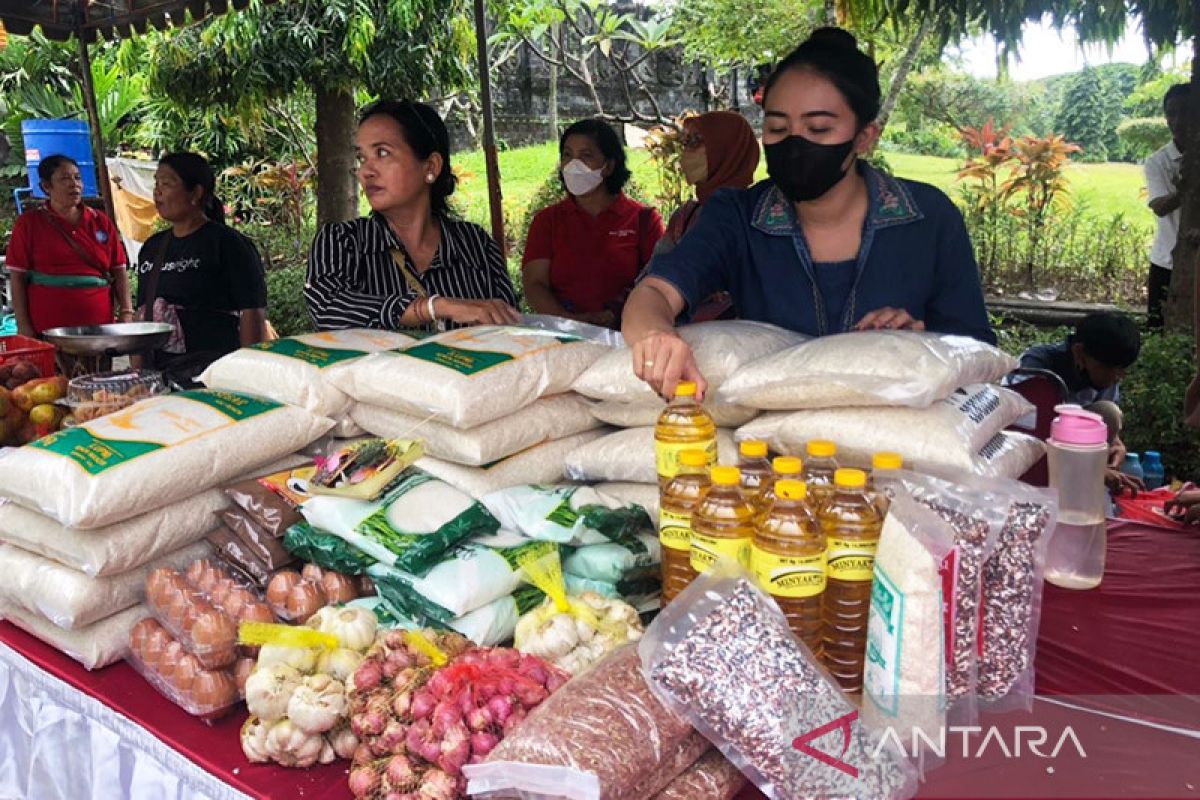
<point>429,178</point>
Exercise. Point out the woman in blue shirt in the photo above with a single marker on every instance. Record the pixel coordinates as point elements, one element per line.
<point>828,244</point>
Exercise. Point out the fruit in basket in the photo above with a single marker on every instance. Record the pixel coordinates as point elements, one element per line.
<point>5,401</point>
<point>24,371</point>
<point>48,390</point>
<point>22,399</point>
<point>45,415</point>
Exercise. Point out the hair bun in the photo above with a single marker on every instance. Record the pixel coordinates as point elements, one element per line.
<point>830,36</point>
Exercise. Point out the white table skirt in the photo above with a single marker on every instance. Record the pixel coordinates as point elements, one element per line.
<point>57,743</point>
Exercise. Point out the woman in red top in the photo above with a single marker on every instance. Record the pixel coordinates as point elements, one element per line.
<point>66,259</point>
<point>584,253</point>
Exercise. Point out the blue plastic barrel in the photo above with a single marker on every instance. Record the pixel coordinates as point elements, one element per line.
<point>52,137</point>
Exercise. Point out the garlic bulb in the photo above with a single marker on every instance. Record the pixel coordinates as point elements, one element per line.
<point>298,658</point>
<point>339,663</point>
<point>354,627</point>
<point>269,689</point>
<point>328,755</point>
<point>343,740</point>
<point>317,704</point>
<point>550,637</point>
<point>254,740</point>
<point>317,621</point>
<point>291,746</point>
<point>575,641</point>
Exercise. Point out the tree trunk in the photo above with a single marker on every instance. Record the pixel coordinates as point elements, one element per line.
<point>831,12</point>
<point>904,68</point>
<point>337,190</point>
<point>1179,309</point>
<point>552,99</point>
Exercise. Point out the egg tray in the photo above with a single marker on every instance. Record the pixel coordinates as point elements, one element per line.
<point>202,608</point>
<point>295,596</point>
<point>178,676</point>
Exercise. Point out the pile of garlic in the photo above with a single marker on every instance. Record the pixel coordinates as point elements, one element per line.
<point>299,698</point>
<point>581,635</point>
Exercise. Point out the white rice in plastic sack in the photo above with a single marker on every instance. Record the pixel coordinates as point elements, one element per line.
<point>347,428</point>
<point>70,599</point>
<point>866,368</point>
<point>642,494</point>
<point>295,370</point>
<point>639,415</point>
<point>98,645</point>
<point>612,562</point>
<point>628,456</point>
<point>576,515</point>
<point>547,419</point>
<point>470,376</point>
<point>720,348</point>
<point>469,577</point>
<point>416,521</point>
<point>492,625</point>
<point>1008,455</point>
<point>152,454</point>
<point>541,464</point>
<point>944,438</point>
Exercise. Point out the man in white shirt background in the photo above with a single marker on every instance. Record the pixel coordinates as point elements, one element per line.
<point>1162,180</point>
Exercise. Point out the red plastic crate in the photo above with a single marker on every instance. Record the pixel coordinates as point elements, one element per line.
<point>40,354</point>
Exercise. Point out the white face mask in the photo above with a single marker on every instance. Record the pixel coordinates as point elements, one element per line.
<point>580,178</point>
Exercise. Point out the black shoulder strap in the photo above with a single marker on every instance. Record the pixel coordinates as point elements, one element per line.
<point>151,293</point>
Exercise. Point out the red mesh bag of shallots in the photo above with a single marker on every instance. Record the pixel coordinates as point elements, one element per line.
<point>602,736</point>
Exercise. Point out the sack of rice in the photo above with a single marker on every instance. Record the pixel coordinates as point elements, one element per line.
<point>540,464</point>
<point>470,376</point>
<point>1008,455</point>
<point>612,562</point>
<point>640,415</point>
<point>489,626</point>
<point>640,494</point>
<point>295,370</point>
<point>720,348</point>
<point>70,599</point>
<point>546,419</point>
<point>98,645</point>
<point>152,454</point>
<point>866,368</point>
<point>944,438</point>
<point>575,515</point>
<point>347,428</point>
<point>416,521</point>
<point>469,577</point>
<point>628,456</point>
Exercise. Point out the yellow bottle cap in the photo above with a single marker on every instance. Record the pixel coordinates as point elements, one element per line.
<point>685,389</point>
<point>791,490</point>
<point>819,448</point>
<point>753,448</point>
<point>787,465</point>
<point>693,458</point>
<point>726,476</point>
<point>887,461</point>
<point>850,478</point>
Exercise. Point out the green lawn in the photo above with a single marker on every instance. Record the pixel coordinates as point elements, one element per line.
<point>1096,188</point>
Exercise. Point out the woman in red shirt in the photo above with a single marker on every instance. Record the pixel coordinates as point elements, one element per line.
<point>584,253</point>
<point>66,259</point>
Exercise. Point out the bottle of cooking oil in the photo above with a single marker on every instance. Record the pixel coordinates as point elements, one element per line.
<point>723,525</point>
<point>788,560</point>
<point>884,466</point>
<point>756,471</point>
<point>851,523</point>
<point>677,503</point>
<point>782,468</point>
<point>683,425</point>
<point>819,468</point>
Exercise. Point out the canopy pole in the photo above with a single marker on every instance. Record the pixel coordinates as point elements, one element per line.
<point>489,130</point>
<point>93,112</point>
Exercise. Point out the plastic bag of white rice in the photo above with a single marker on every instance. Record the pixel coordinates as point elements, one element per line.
<point>295,370</point>
<point>866,368</point>
<point>576,515</point>
<point>470,376</point>
<point>1007,455</point>
<point>469,577</point>
<point>541,464</point>
<point>613,562</point>
<point>943,438</point>
<point>544,420</point>
<point>489,626</point>
<point>628,456</point>
<point>720,348</point>
<point>70,599</point>
<point>639,415</point>
<point>98,645</point>
<point>416,521</point>
<point>152,454</point>
<point>641,494</point>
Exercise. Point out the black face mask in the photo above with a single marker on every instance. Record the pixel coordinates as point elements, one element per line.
<point>803,169</point>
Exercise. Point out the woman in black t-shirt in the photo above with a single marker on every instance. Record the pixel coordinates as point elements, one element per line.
<point>210,285</point>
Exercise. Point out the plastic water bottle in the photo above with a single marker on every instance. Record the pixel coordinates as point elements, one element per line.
<point>1078,454</point>
<point>1132,466</point>
<point>1155,475</point>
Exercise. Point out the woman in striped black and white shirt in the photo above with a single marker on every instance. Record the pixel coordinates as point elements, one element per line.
<point>410,263</point>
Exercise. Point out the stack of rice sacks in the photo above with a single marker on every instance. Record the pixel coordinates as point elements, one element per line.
<point>931,398</point>
<point>88,512</point>
<point>622,463</point>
